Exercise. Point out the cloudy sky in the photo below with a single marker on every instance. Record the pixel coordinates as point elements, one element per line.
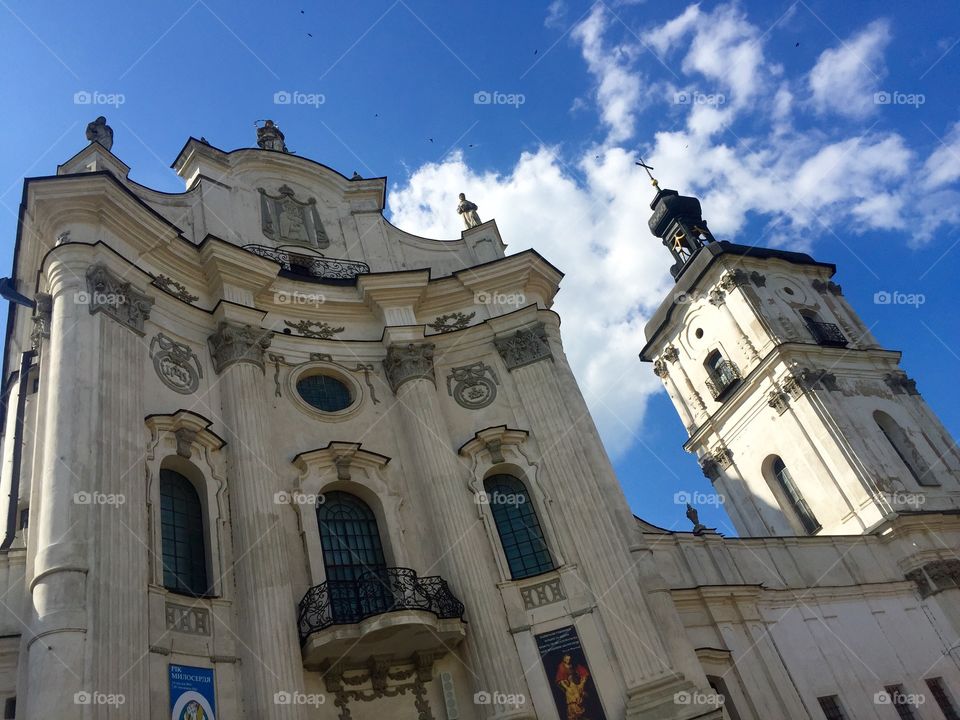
<point>804,125</point>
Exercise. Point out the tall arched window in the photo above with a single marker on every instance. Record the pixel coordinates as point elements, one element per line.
<point>722,375</point>
<point>182,531</point>
<point>905,448</point>
<point>518,526</point>
<point>352,551</point>
<point>791,493</point>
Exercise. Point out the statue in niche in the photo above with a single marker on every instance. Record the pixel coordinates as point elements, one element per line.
<point>99,132</point>
<point>286,220</point>
<point>269,137</point>
<point>468,211</point>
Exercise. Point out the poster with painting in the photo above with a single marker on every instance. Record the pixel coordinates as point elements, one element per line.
<point>568,673</point>
<point>192,695</point>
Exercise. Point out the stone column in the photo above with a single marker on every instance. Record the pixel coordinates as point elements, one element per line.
<point>270,649</point>
<point>593,511</point>
<point>457,529</point>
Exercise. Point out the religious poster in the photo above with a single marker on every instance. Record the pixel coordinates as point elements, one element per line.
<point>192,695</point>
<point>569,675</point>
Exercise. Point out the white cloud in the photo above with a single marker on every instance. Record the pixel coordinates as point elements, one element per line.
<point>846,77</point>
<point>943,165</point>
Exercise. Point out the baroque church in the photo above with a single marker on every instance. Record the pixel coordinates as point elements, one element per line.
<point>268,456</point>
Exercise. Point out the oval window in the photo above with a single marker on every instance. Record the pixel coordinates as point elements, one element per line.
<point>324,392</point>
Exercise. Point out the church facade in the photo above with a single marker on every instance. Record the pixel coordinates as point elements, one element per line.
<point>266,455</point>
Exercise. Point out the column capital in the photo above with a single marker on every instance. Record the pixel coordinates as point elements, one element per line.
<point>525,346</point>
<point>109,293</point>
<point>232,343</point>
<point>409,362</point>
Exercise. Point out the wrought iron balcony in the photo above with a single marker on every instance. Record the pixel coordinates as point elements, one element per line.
<point>347,602</point>
<point>826,334</point>
<point>316,266</point>
<point>724,376</point>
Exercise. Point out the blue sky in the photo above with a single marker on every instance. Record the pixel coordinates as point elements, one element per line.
<point>823,126</point>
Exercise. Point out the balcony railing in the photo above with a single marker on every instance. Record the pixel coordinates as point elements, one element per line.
<point>724,376</point>
<point>826,334</point>
<point>345,602</point>
<point>311,266</point>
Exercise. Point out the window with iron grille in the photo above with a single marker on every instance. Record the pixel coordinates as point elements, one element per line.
<point>944,701</point>
<point>824,333</point>
<point>832,709</point>
<point>900,702</point>
<point>722,375</point>
<point>518,526</point>
<point>182,535</point>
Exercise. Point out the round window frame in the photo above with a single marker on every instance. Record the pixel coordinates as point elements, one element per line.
<point>330,370</point>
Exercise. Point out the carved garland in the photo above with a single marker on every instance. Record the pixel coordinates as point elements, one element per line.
<point>451,322</point>
<point>314,329</point>
<point>172,287</point>
<point>524,347</point>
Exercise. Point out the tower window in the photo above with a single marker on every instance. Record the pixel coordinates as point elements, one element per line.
<point>905,449</point>
<point>518,526</point>
<point>901,702</point>
<point>943,699</point>
<point>181,523</point>
<point>791,493</point>
<point>832,709</point>
<point>824,333</point>
<point>722,375</point>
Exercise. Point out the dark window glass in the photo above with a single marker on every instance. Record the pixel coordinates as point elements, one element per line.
<point>944,701</point>
<point>898,698</point>
<point>832,709</point>
<point>181,523</point>
<point>794,498</point>
<point>518,526</point>
<point>719,686</point>
<point>324,392</point>
<point>10,708</point>
<point>352,550</point>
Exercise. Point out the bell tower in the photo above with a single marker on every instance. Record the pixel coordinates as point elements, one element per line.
<point>801,420</point>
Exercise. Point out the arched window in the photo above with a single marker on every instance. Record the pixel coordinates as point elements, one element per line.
<point>182,531</point>
<point>722,375</point>
<point>905,448</point>
<point>518,526</point>
<point>352,551</point>
<point>790,492</point>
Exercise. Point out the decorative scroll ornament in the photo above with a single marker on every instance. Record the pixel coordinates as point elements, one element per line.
<point>473,386</point>
<point>176,364</point>
<point>409,362</point>
<point>671,354</point>
<point>314,329</point>
<point>284,219</point>
<point>722,456</point>
<point>172,287</point>
<point>660,368</point>
<point>778,400</point>
<point>238,343</point>
<point>450,322</point>
<point>524,347</point>
<point>108,293</point>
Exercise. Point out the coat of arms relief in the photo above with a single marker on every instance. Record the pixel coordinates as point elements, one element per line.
<point>286,220</point>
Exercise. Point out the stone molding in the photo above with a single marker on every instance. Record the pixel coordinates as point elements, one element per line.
<point>409,362</point>
<point>524,347</point>
<point>107,292</point>
<point>231,344</point>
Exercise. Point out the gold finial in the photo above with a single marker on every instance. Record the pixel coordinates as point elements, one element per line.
<point>648,168</point>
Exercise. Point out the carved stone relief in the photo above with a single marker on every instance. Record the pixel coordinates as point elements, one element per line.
<point>545,593</point>
<point>408,362</point>
<point>186,619</point>
<point>172,287</point>
<point>524,347</point>
<point>451,322</point>
<point>284,219</point>
<point>232,343</point>
<point>314,329</point>
<point>176,364</point>
<point>473,386</point>
<point>109,293</point>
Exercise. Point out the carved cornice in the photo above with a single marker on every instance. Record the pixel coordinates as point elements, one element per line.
<point>409,362</point>
<point>232,344</point>
<point>525,346</point>
<point>107,292</point>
